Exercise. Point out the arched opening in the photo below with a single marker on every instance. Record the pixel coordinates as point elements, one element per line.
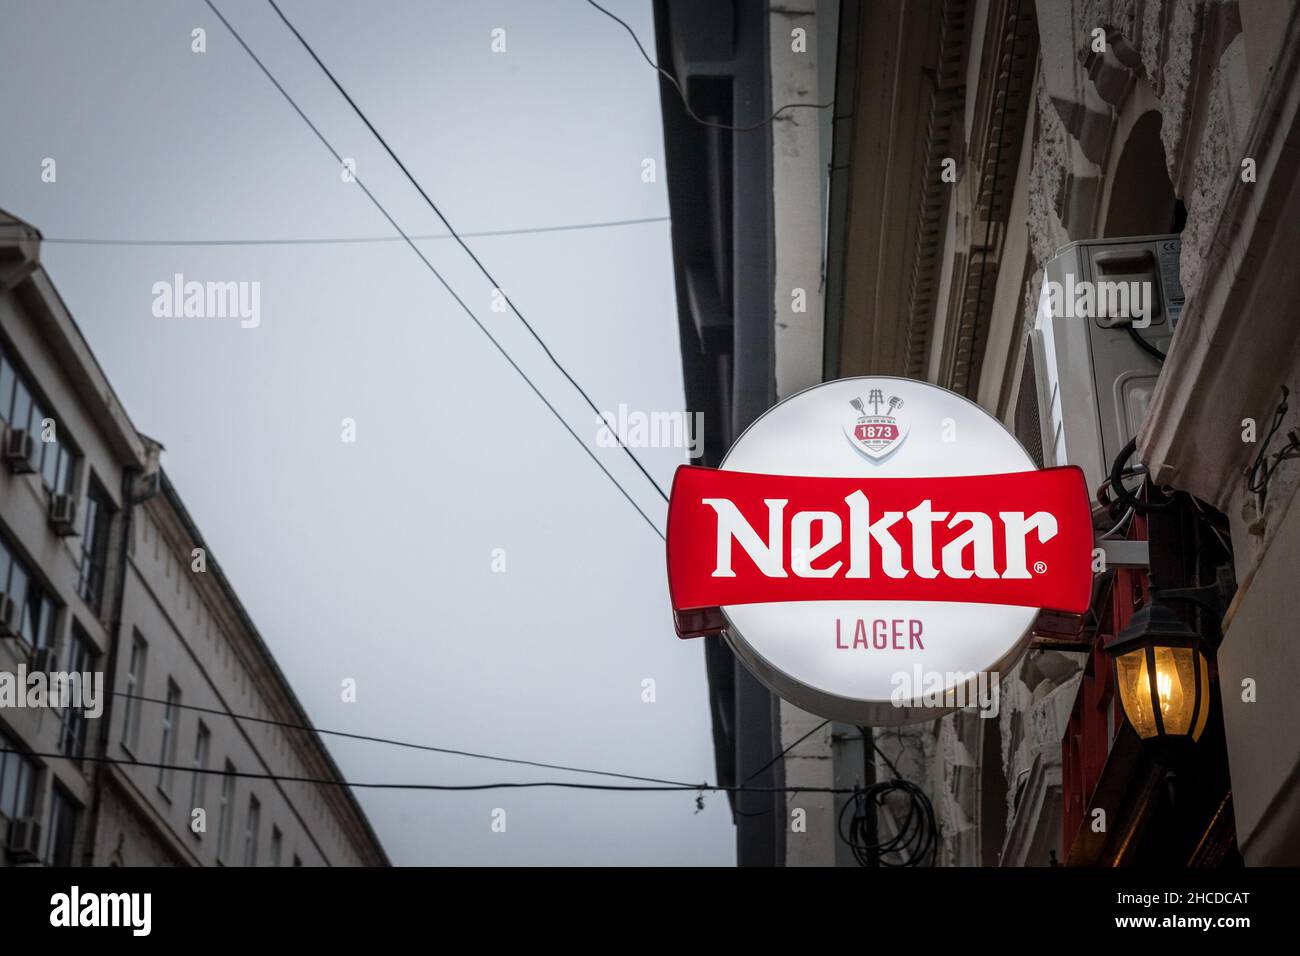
<point>1142,200</point>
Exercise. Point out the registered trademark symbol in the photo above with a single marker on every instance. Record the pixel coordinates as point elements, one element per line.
<point>1040,567</point>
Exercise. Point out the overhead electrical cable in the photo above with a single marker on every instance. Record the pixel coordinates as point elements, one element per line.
<point>450,291</point>
<point>461,242</point>
<point>761,813</point>
<point>382,785</point>
<point>410,745</point>
<point>786,751</point>
<point>344,240</point>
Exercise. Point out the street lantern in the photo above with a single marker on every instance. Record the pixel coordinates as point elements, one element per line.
<point>1163,675</point>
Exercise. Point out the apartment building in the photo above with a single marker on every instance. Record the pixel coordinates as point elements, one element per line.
<point>102,569</point>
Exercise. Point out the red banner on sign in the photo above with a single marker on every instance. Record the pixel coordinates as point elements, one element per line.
<point>868,431</point>
<point>1022,539</point>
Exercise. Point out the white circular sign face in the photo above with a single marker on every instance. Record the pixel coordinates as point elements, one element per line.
<point>875,427</point>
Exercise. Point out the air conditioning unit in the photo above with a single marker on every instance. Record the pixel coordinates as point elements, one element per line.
<point>8,616</point>
<point>44,661</point>
<point>20,448</point>
<point>1107,310</point>
<point>24,840</point>
<point>63,514</point>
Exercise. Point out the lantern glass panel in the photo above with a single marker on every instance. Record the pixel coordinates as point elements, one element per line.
<point>1203,714</point>
<point>1176,688</point>
<point>1135,691</point>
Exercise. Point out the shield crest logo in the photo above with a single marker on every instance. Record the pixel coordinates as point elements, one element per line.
<point>875,428</point>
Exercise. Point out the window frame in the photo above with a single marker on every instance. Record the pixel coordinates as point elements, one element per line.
<point>23,790</point>
<point>81,658</point>
<point>67,455</point>
<point>171,719</point>
<point>199,785</point>
<point>93,565</point>
<point>64,824</point>
<point>252,826</point>
<point>134,685</point>
<point>225,816</point>
<point>36,614</point>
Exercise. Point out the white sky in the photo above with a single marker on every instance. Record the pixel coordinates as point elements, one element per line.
<point>372,560</point>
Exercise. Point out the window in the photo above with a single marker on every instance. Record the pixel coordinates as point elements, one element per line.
<point>202,740</point>
<point>94,548</point>
<point>55,462</point>
<point>277,845</point>
<point>227,808</point>
<point>17,781</point>
<point>58,466</point>
<point>167,756</point>
<point>134,686</point>
<point>20,415</point>
<point>51,459</point>
<point>34,607</point>
<point>72,720</point>
<point>19,578</point>
<point>59,830</point>
<point>7,377</point>
<point>251,826</point>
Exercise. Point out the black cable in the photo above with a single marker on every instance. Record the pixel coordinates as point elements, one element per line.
<point>737,812</point>
<point>672,80</point>
<point>1095,606</point>
<point>1206,519</point>
<point>763,813</point>
<point>1103,498</point>
<point>344,240</point>
<point>362,785</point>
<point>916,842</point>
<point>1124,519</point>
<point>914,845</point>
<point>1261,473</point>
<point>394,743</point>
<point>455,235</point>
<point>1126,496</point>
<point>416,249</point>
<point>786,751</point>
<point>1144,345</point>
<point>866,733</point>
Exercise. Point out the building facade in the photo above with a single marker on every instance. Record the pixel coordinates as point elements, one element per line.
<point>102,570</point>
<point>970,141</point>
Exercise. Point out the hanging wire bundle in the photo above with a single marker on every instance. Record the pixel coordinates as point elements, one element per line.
<point>1261,471</point>
<point>914,844</point>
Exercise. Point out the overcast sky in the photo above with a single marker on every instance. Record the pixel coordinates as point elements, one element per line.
<point>373,560</point>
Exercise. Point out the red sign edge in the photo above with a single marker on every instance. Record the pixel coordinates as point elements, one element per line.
<point>709,621</point>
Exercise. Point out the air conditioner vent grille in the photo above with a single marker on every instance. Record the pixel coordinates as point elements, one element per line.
<point>1028,427</point>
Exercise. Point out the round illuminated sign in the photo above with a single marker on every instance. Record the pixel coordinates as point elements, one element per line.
<point>871,539</point>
